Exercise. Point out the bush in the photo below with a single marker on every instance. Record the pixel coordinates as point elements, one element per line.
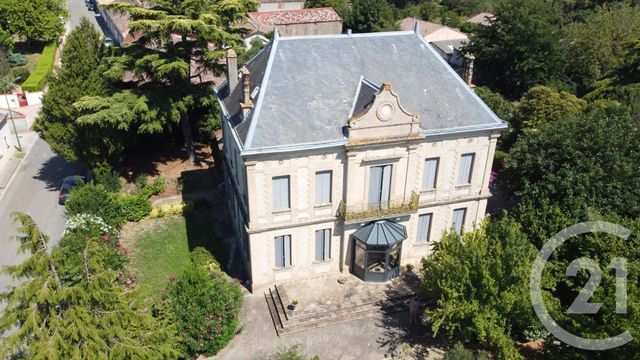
<point>459,352</point>
<point>38,79</point>
<point>17,59</point>
<point>95,200</point>
<point>207,308</point>
<point>292,353</point>
<point>20,74</point>
<point>201,257</point>
<point>110,179</point>
<point>134,207</point>
<point>167,210</point>
<point>144,187</point>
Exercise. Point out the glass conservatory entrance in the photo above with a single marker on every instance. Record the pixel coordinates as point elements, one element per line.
<point>377,248</point>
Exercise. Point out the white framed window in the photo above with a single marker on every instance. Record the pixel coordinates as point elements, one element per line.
<point>323,245</point>
<point>430,173</point>
<point>458,219</point>
<point>466,168</point>
<point>323,187</point>
<point>424,228</point>
<point>283,251</point>
<point>281,193</point>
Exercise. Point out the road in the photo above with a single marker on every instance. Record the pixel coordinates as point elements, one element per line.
<point>78,10</point>
<point>33,190</point>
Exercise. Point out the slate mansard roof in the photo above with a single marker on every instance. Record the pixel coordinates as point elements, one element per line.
<point>308,87</point>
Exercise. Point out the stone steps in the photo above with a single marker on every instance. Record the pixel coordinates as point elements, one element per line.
<point>287,321</point>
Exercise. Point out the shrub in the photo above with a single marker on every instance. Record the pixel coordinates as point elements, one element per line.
<point>17,59</point>
<point>20,74</point>
<point>95,200</point>
<point>167,210</point>
<point>148,189</point>
<point>207,308</point>
<point>110,179</point>
<point>134,207</point>
<point>459,352</point>
<point>201,257</point>
<point>38,79</point>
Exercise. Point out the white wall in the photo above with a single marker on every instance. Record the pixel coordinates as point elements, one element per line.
<point>33,98</point>
<point>6,142</point>
<point>281,5</point>
<point>13,101</point>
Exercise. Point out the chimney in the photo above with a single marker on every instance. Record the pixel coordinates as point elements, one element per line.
<point>246,104</point>
<point>468,68</point>
<point>232,69</point>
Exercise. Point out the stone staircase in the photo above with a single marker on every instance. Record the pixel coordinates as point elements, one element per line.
<point>287,321</point>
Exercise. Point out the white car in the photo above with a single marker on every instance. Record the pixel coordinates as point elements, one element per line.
<point>108,41</point>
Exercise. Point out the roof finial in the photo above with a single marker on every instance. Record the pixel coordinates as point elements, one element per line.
<point>416,26</point>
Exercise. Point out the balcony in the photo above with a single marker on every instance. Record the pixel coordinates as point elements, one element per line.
<point>373,211</point>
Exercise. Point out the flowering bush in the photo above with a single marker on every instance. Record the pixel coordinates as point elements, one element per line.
<point>88,222</point>
<point>207,308</point>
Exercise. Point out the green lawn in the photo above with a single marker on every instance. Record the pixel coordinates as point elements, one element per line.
<point>164,250</point>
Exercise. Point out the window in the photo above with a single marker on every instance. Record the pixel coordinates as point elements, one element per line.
<point>281,193</point>
<point>424,228</point>
<point>458,220</point>
<point>323,187</point>
<point>323,245</point>
<point>283,251</point>
<point>466,166</point>
<point>379,184</point>
<point>430,175</point>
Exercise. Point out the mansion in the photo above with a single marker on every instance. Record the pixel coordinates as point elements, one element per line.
<point>350,153</point>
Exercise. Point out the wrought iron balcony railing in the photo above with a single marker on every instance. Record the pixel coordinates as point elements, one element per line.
<point>372,211</point>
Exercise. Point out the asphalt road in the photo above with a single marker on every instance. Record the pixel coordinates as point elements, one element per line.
<point>33,190</point>
<point>77,10</point>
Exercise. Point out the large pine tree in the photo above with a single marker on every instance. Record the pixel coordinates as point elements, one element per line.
<point>87,320</point>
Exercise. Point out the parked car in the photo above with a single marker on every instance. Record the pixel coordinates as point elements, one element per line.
<point>67,184</point>
<point>108,41</point>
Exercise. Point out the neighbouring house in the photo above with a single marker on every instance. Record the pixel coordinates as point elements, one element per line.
<point>117,22</point>
<point>275,5</point>
<point>484,18</point>
<point>447,41</point>
<point>350,153</point>
<point>6,140</point>
<point>316,21</point>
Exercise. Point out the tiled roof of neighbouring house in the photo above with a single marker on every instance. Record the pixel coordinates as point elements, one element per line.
<point>308,88</point>
<point>301,16</point>
<point>427,28</point>
<point>483,18</point>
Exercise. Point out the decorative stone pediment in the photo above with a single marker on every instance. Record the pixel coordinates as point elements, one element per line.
<point>380,117</point>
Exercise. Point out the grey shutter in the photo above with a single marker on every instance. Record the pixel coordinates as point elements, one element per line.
<point>430,173</point>
<point>287,250</point>
<point>458,219</point>
<point>281,192</point>
<point>375,182</point>
<point>466,164</point>
<point>327,244</point>
<point>386,184</point>
<point>279,246</point>
<point>424,228</point>
<point>323,187</point>
<point>319,244</point>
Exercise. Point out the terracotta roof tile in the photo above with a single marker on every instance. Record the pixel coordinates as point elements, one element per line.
<point>302,16</point>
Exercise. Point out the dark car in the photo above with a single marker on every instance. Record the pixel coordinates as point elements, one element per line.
<point>67,184</point>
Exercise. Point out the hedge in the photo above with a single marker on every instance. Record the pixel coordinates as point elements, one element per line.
<point>37,80</point>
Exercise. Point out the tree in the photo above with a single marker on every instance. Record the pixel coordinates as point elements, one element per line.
<point>542,104</point>
<point>371,15</point>
<point>599,44</point>
<point>504,109</point>
<point>207,308</point>
<point>32,20</point>
<point>79,75</point>
<point>589,159</point>
<point>90,319</point>
<point>480,283</point>
<point>521,48</point>
<point>179,42</point>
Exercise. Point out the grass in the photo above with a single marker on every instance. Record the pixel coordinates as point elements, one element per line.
<point>165,248</point>
<point>32,61</point>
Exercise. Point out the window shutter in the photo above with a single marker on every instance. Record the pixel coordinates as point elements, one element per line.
<point>287,250</point>
<point>386,184</point>
<point>279,246</point>
<point>319,187</point>
<point>327,244</point>
<point>466,164</point>
<point>375,182</point>
<point>281,192</point>
<point>458,219</point>
<point>430,173</point>
<point>323,187</point>
<point>424,228</point>
<point>319,244</point>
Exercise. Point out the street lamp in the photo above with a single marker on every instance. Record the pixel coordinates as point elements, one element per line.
<point>15,131</point>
